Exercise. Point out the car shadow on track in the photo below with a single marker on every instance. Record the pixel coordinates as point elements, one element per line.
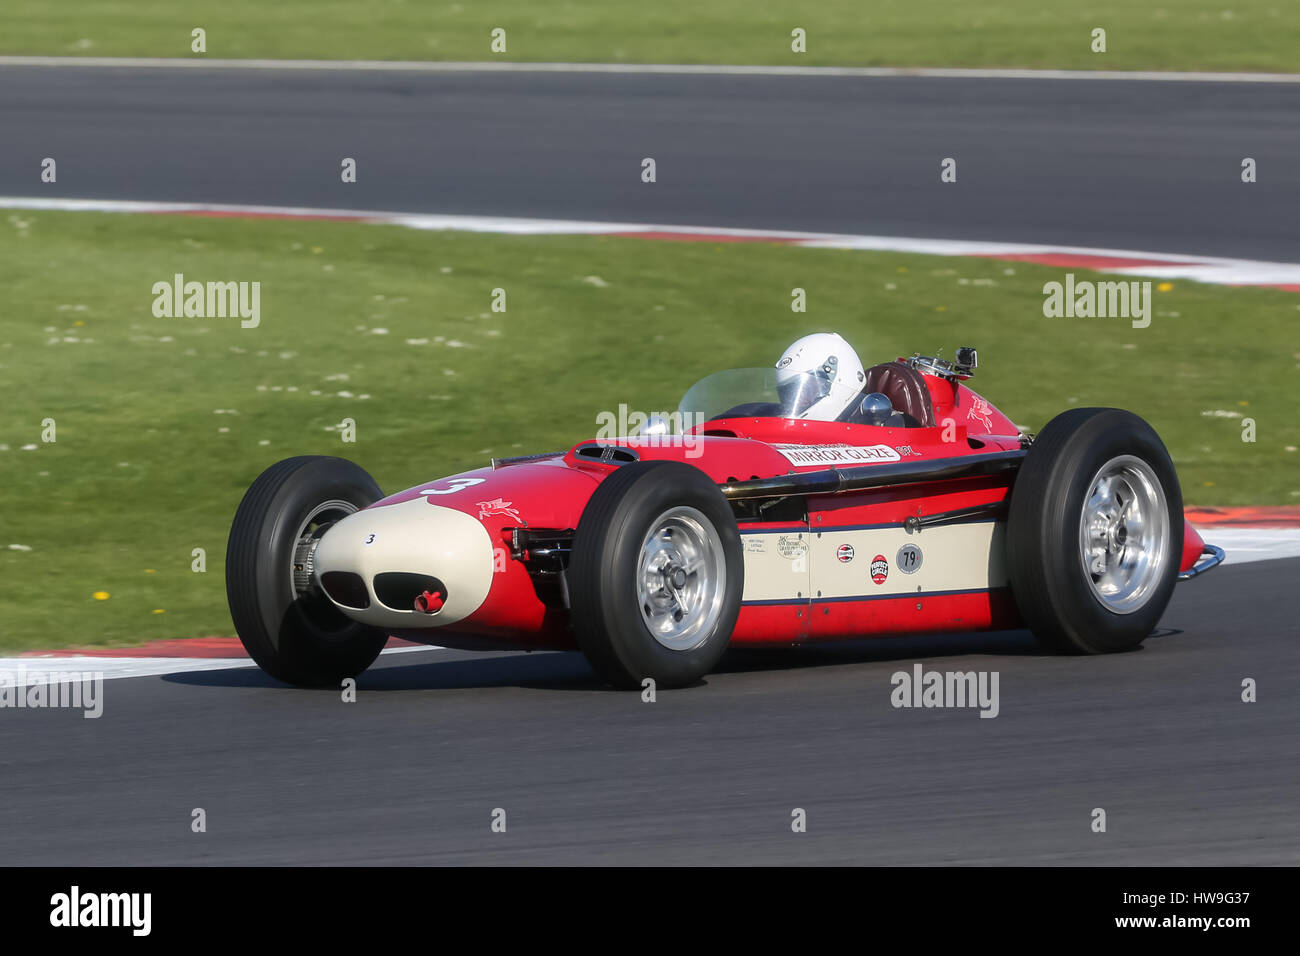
<point>568,671</point>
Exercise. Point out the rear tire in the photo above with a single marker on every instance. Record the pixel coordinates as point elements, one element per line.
<point>655,575</point>
<point>287,626</point>
<point>1095,532</point>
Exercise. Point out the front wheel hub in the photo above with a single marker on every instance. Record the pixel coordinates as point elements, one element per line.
<point>308,538</point>
<point>1124,534</point>
<point>681,575</point>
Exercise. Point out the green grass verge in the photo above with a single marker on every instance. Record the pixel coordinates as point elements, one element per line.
<point>145,469</point>
<point>1171,35</point>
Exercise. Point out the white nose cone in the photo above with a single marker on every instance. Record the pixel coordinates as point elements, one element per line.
<point>405,540</point>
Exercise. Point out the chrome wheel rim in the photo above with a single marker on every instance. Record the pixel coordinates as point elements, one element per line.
<point>1124,534</point>
<point>680,577</point>
<point>308,537</point>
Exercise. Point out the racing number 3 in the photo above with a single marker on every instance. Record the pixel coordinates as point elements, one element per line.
<point>457,484</point>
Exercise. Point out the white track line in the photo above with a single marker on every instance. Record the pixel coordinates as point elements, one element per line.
<point>686,69</point>
<point>1244,545</point>
<point>21,671</point>
<point>1210,269</point>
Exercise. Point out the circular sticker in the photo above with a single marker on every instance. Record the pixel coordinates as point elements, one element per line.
<point>909,558</point>
<point>845,553</point>
<point>879,569</point>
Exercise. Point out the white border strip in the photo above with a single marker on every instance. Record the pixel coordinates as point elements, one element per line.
<point>1211,269</point>
<point>1245,545</point>
<point>116,668</point>
<point>685,69</point>
<point>22,671</point>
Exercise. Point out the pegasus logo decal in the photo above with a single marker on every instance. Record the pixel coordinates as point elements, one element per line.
<point>497,507</point>
<point>980,411</point>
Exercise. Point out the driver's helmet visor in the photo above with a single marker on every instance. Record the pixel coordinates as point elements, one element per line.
<point>801,391</point>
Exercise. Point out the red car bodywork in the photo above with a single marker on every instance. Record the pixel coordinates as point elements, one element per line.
<point>526,610</point>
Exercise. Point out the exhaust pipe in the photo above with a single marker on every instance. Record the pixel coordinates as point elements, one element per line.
<point>430,602</point>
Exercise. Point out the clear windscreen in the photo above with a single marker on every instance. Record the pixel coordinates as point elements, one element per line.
<point>740,393</point>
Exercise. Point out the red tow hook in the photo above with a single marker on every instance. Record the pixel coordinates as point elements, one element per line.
<point>430,602</point>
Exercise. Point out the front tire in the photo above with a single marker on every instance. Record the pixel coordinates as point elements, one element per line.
<point>1095,532</point>
<point>287,626</point>
<point>656,575</point>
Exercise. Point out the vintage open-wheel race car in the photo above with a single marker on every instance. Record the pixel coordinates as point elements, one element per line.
<point>815,501</point>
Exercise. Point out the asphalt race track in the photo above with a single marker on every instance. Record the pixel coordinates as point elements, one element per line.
<point>411,772</point>
<point>1151,166</point>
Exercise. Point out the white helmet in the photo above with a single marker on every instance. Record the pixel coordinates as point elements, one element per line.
<point>819,377</point>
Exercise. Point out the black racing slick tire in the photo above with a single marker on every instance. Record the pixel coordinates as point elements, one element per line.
<point>287,626</point>
<point>1094,532</point>
<point>655,575</point>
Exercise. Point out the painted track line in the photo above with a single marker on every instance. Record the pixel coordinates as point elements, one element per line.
<point>22,671</point>
<point>1245,516</point>
<point>684,69</point>
<point>1246,545</point>
<point>1128,262</point>
<point>211,648</point>
<point>30,667</point>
